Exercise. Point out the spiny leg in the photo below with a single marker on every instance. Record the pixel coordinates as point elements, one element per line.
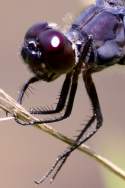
<point>61,159</point>
<point>22,92</point>
<point>97,115</point>
<point>62,98</point>
<point>61,103</point>
<point>91,90</point>
<point>25,87</point>
<point>69,104</point>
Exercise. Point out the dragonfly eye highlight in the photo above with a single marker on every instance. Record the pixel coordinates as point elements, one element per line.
<point>55,41</point>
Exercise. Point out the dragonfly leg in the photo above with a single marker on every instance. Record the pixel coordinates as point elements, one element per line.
<point>81,138</point>
<point>61,102</point>
<point>25,87</point>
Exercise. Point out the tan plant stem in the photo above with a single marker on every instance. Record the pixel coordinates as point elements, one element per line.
<point>8,104</point>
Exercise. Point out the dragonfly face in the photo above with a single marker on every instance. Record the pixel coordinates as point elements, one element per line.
<point>47,52</point>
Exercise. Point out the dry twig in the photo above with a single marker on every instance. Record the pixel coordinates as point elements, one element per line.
<point>8,104</point>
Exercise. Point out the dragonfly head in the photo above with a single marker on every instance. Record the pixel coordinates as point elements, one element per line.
<point>47,51</point>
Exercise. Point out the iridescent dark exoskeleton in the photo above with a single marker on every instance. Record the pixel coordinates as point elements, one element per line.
<point>95,40</point>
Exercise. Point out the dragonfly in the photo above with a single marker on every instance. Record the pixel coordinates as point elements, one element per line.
<point>94,41</point>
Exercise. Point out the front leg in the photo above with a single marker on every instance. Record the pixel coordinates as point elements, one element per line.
<point>60,105</point>
<point>25,87</point>
<point>61,102</point>
<point>69,102</point>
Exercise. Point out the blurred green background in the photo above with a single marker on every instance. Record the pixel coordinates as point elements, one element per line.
<point>25,152</point>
